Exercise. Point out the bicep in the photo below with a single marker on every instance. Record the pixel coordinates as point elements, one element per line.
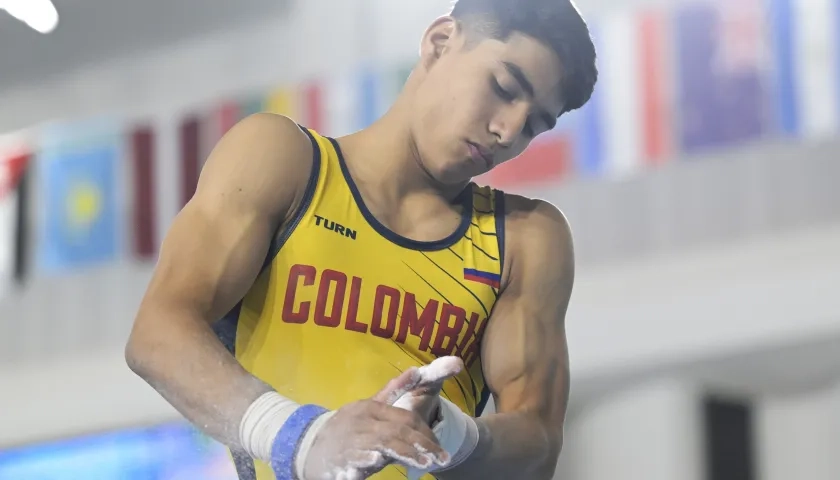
<point>524,350</point>
<point>218,243</point>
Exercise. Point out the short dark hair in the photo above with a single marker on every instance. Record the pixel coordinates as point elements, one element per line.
<point>556,23</point>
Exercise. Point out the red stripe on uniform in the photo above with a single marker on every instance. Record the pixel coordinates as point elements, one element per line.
<point>486,281</point>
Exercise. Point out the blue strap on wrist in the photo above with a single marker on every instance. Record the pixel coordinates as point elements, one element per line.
<point>286,443</point>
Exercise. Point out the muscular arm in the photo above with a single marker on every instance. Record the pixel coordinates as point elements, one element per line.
<point>524,353</point>
<point>212,254</point>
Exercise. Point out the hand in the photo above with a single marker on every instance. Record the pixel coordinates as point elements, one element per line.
<point>424,398</point>
<point>364,437</point>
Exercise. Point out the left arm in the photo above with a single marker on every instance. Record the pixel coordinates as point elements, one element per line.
<point>524,352</point>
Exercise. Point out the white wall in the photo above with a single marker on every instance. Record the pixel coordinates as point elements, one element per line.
<point>799,435</point>
<point>650,431</point>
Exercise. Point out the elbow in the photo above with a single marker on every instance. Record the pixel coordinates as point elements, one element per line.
<point>140,348</point>
<point>136,354</point>
<point>551,455</point>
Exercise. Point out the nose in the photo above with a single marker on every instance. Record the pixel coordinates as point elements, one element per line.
<point>508,124</point>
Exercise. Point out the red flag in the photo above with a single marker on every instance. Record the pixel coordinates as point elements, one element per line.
<point>655,98</point>
<point>228,114</point>
<point>548,159</point>
<point>313,112</point>
<point>190,146</point>
<point>144,207</point>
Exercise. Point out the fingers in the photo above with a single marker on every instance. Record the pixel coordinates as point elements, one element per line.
<point>440,369</point>
<point>405,382</point>
<point>434,374</point>
<point>406,423</point>
<point>413,455</point>
<point>428,378</point>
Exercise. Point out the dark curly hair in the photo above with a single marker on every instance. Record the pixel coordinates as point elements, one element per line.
<point>557,23</point>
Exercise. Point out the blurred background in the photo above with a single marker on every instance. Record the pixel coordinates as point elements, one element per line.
<point>702,182</point>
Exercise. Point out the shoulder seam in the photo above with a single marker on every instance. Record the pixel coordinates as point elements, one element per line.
<point>285,231</point>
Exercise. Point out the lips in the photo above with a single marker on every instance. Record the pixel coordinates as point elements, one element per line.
<point>481,155</point>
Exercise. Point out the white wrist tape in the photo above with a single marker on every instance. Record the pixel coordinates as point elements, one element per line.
<point>457,433</point>
<point>261,423</point>
<point>307,441</point>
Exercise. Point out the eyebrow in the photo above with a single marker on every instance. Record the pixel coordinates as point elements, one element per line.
<point>526,85</point>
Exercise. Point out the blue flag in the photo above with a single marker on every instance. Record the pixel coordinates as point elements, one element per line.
<point>78,188</point>
<point>723,74</point>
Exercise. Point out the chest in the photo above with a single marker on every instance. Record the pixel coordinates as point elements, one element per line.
<point>340,273</point>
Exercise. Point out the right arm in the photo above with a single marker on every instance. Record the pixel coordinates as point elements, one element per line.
<point>251,183</point>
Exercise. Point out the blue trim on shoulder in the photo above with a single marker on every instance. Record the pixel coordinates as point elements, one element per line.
<point>499,215</point>
<point>465,198</point>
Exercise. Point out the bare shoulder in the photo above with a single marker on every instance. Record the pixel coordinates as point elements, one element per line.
<point>538,240</point>
<point>265,160</point>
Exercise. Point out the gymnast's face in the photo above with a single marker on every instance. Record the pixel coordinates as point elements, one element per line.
<point>480,101</point>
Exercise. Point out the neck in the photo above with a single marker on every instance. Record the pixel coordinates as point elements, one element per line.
<point>385,156</point>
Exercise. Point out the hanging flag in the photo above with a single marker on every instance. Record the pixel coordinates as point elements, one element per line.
<point>549,159</point>
<point>656,93</point>
<point>145,239</point>
<point>313,105</point>
<point>250,106</point>
<point>370,101</point>
<point>78,167</point>
<point>166,185</point>
<point>592,122</point>
<point>226,116</point>
<point>623,125</point>
<point>283,101</point>
<point>340,105</point>
<point>805,46</point>
<point>723,73</point>
<point>14,161</point>
<point>191,161</point>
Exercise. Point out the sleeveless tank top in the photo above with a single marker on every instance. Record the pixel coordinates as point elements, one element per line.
<point>343,304</point>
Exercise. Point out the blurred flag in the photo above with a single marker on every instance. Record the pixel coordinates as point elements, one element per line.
<point>313,105</point>
<point>722,73</point>
<point>656,82</point>
<point>225,116</point>
<point>340,105</point>
<point>189,134</point>
<point>549,159</point>
<point>145,240</point>
<point>370,96</point>
<point>623,128</point>
<point>283,101</point>
<point>805,40</point>
<point>14,160</point>
<point>250,106</point>
<point>78,168</point>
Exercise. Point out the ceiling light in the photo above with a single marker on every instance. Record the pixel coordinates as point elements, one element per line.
<point>40,15</point>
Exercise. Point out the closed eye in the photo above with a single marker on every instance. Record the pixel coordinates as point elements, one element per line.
<point>501,92</point>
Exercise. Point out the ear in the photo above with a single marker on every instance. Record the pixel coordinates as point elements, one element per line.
<point>438,39</point>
